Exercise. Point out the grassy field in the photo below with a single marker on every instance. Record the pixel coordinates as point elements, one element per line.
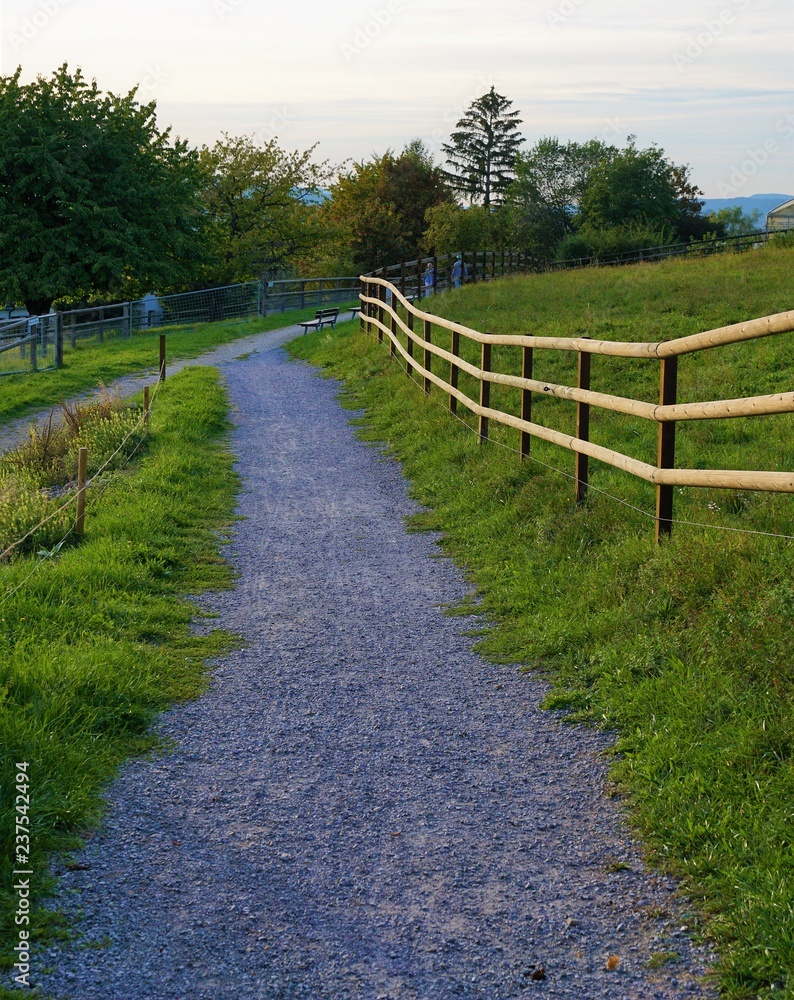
<point>684,649</point>
<point>98,639</point>
<point>90,362</point>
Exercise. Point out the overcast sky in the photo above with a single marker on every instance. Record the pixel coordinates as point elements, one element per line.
<point>708,80</point>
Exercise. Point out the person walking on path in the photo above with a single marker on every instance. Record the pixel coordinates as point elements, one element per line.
<point>430,279</point>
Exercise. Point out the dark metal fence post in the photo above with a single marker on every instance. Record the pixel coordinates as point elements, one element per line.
<point>668,388</point>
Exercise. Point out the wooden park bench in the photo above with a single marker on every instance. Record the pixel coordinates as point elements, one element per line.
<point>323,317</point>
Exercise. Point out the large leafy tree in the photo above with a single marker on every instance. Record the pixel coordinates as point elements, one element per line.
<point>261,203</point>
<point>550,180</point>
<point>482,150</point>
<point>378,208</point>
<point>639,186</point>
<point>96,200</point>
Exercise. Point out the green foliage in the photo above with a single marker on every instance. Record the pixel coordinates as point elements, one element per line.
<point>641,187</point>
<point>98,640</point>
<point>95,199</point>
<point>451,228</point>
<point>378,208</point>
<point>682,650</point>
<point>48,459</point>
<point>482,151</point>
<point>550,180</point>
<point>259,203</point>
<point>732,221</point>
<point>591,242</point>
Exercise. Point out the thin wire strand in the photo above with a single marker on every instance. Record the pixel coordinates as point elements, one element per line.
<point>72,499</point>
<point>596,489</point>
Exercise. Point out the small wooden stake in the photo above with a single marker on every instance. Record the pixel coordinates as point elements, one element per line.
<point>162,357</point>
<point>146,406</point>
<point>82,469</point>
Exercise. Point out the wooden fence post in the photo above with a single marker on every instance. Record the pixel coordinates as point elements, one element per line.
<point>146,405</point>
<point>582,427</point>
<point>485,391</point>
<point>526,401</point>
<point>410,345</point>
<point>34,352</point>
<point>162,357</point>
<point>393,344</point>
<point>402,278</point>
<point>453,371</point>
<point>362,315</point>
<point>435,275</point>
<point>381,300</point>
<point>428,355</point>
<point>82,469</point>
<point>668,388</point>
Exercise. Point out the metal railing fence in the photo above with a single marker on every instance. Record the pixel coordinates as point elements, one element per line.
<point>30,344</point>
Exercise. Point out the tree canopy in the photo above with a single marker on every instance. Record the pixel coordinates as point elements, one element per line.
<point>378,208</point>
<point>482,151</point>
<point>260,203</point>
<point>96,200</point>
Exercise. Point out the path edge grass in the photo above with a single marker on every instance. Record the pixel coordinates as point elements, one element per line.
<point>100,639</point>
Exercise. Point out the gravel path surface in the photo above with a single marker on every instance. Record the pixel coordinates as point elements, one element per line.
<point>359,807</point>
<point>15,431</point>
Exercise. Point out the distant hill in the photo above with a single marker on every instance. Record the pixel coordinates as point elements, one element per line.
<point>763,203</point>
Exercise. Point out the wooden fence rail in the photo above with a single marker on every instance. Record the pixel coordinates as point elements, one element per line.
<point>379,298</point>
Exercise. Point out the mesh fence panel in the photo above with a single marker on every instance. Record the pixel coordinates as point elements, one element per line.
<point>27,345</point>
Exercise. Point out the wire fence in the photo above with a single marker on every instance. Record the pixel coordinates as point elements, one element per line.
<point>30,344</point>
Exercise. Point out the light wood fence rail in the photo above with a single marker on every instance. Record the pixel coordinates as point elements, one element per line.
<point>379,298</point>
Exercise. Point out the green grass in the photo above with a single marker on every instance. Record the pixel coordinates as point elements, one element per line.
<point>90,362</point>
<point>684,649</point>
<point>98,640</point>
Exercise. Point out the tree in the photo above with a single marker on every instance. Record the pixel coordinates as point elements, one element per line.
<point>732,221</point>
<point>378,208</point>
<point>451,228</point>
<point>482,152</point>
<point>96,200</point>
<point>550,180</point>
<point>262,206</point>
<point>642,188</point>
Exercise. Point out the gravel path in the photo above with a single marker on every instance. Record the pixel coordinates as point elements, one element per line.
<point>359,807</point>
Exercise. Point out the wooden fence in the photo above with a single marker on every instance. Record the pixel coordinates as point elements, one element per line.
<point>380,297</point>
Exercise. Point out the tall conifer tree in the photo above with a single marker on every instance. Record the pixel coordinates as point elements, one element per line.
<point>482,151</point>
